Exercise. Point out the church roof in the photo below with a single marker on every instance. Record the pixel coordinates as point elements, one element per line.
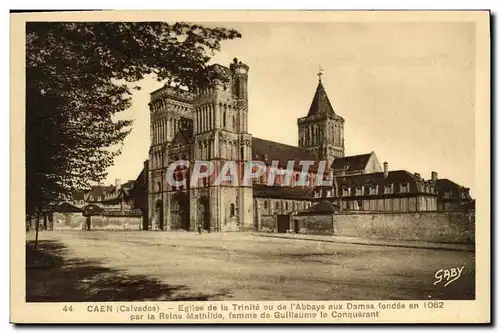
<point>320,104</point>
<point>351,163</point>
<point>275,151</point>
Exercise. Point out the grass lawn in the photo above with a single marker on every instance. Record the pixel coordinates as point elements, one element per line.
<point>185,266</point>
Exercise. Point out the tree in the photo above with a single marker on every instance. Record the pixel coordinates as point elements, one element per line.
<point>76,75</point>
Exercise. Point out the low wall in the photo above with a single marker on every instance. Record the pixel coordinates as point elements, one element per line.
<point>441,227</point>
<point>268,223</point>
<point>76,221</point>
<point>68,221</point>
<point>314,224</point>
<point>116,223</point>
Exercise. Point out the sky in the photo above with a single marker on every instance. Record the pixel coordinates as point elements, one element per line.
<point>405,89</point>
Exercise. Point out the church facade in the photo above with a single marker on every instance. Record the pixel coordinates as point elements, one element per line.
<point>212,125</point>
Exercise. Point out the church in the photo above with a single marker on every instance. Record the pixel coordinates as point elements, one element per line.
<point>212,125</point>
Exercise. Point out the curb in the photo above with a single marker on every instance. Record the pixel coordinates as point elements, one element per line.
<point>408,246</point>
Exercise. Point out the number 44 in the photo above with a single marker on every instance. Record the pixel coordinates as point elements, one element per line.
<point>68,308</point>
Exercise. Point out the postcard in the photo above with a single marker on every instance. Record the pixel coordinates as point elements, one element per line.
<point>250,167</point>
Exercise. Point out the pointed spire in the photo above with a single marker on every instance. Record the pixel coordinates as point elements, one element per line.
<point>320,103</point>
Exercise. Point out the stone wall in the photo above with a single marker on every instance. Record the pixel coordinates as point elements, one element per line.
<point>116,223</point>
<point>268,223</point>
<point>443,227</point>
<point>440,227</point>
<point>76,221</point>
<point>68,221</point>
<point>313,224</point>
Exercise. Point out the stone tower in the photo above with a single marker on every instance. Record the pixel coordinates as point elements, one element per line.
<point>171,111</point>
<point>322,130</point>
<point>220,123</point>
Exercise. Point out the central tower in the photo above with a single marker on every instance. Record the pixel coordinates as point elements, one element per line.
<point>322,130</point>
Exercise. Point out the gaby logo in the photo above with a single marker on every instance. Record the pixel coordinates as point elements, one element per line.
<point>182,173</point>
<point>448,275</point>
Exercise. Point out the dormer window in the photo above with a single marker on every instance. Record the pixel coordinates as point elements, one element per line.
<point>346,191</point>
<point>359,190</point>
<point>374,190</point>
<point>404,188</point>
<point>389,189</point>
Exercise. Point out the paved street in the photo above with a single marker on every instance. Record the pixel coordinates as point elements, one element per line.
<point>99,266</point>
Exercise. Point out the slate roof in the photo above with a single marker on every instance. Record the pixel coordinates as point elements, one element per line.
<point>322,207</point>
<point>264,191</point>
<point>352,163</point>
<point>320,104</point>
<point>377,178</point>
<point>66,207</point>
<point>128,184</point>
<point>283,153</point>
<point>78,195</point>
<point>92,210</point>
<point>444,185</point>
<point>100,190</point>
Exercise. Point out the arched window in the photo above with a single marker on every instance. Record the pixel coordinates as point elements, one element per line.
<point>231,210</point>
<point>224,119</point>
<point>238,92</point>
<point>265,204</point>
<point>234,122</point>
<point>242,153</point>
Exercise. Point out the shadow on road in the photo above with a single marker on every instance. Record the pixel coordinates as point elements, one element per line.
<point>50,277</point>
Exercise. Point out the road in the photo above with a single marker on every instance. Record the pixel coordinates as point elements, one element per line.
<point>115,266</point>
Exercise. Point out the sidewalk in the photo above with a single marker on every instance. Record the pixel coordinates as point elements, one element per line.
<point>374,242</point>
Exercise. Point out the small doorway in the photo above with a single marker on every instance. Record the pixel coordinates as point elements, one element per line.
<point>204,213</point>
<point>159,214</point>
<point>283,223</point>
<point>145,223</point>
<point>88,223</point>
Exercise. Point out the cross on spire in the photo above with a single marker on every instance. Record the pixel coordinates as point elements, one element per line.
<point>320,72</point>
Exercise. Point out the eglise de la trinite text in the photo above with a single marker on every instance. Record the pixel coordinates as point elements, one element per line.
<point>276,311</point>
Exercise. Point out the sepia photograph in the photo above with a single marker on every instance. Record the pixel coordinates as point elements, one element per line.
<point>193,162</point>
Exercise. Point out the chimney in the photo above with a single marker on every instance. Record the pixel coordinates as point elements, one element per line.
<point>386,169</point>
<point>118,183</point>
<point>434,176</point>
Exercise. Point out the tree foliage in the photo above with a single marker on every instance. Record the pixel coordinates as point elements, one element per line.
<point>73,94</point>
